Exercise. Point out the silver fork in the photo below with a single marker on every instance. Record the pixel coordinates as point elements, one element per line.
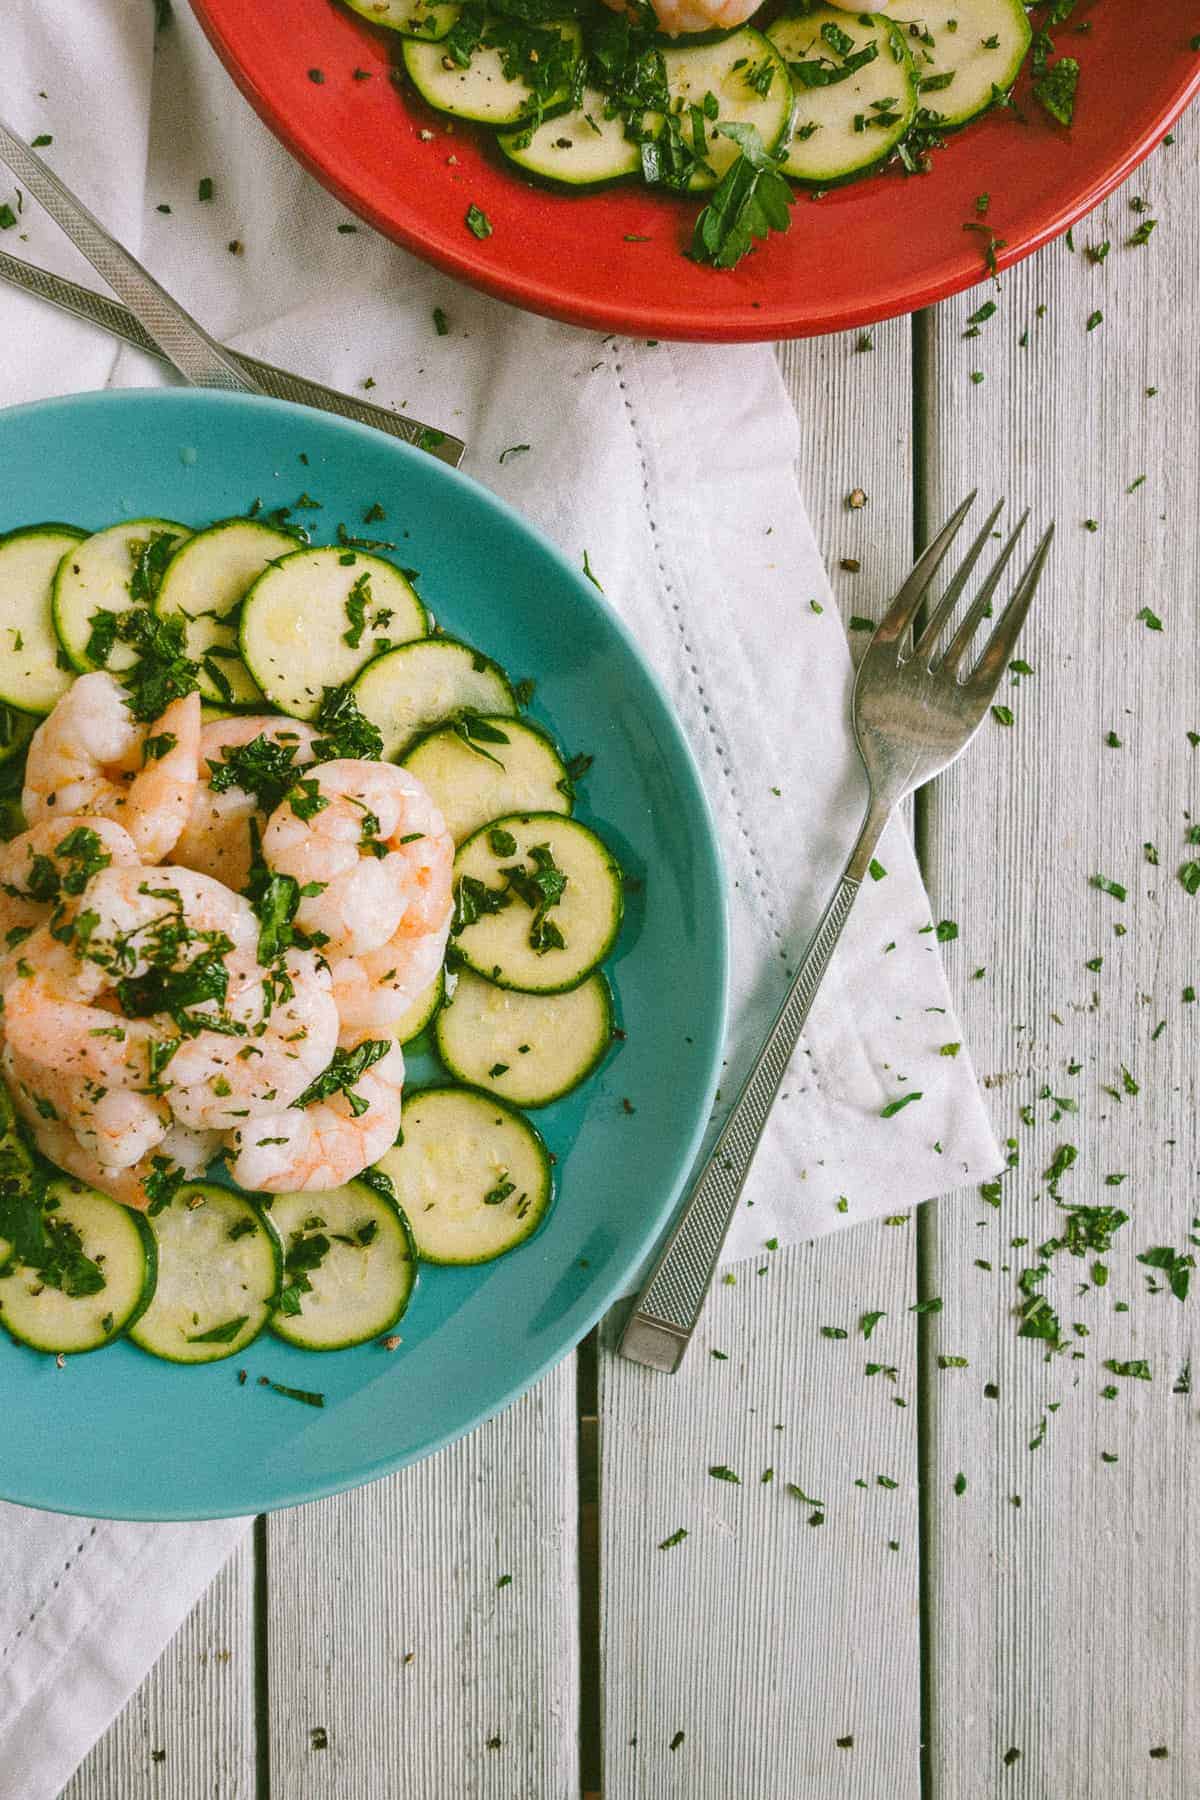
<point>915,711</point>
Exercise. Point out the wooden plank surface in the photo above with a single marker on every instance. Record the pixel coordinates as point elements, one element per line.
<point>189,1731</point>
<point>400,1660</point>
<point>1063,1632</point>
<point>748,1636</point>
<point>1064,1628</point>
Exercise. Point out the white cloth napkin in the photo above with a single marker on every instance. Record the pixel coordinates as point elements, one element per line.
<point>672,467</point>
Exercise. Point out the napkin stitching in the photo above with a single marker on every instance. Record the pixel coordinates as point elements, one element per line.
<point>47,1596</point>
<point>669,589</point>
<point>790,952</point>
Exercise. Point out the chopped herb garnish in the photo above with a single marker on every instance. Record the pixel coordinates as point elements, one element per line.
<point>222,1334</point>
<point>752,199</point>
<point>347,1067</point>
<point>894,1106</point>
<point>290,1393</point>
<point>1107,887</point>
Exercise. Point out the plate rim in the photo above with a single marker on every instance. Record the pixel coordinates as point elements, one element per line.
<point>617,1285</point>
<point>690,325</point>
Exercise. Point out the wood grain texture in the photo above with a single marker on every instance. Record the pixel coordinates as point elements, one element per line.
<point>1064,1631</point>
<point>189,1729</point>
<point>760,1635</point>
<point>749,1636</point>
<point>397,1663</point>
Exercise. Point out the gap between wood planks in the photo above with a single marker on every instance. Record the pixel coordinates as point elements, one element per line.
<point>591,1705</point>
<point>923,528</point>
<point>262,1685</point>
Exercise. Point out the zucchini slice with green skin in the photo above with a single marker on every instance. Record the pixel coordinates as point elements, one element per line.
<point>576,149</point>
<point>353,1248</point>
<point>313,619</point>
<point>406,691</point>
<point>522,773</point>
<point>32,676</point>
<point>482,91</point>
<point>472,1175</point>
<point>422,1012</point>
<point>219,1275</point>
<point>411,18</point>
<point>118,1241</point>
<point>967,55</point>
<point>494,936</point>
<point>205,582</point>
<point>95,576</point>
<point>751,84</point>
<point>846,125</point>
<point>528,1048</point>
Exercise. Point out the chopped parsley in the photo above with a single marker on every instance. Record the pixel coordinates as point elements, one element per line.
<point>344,731</point>
<point>347,1067</point>
<point>221,1334</point>
<point>264,768</point>
<point>894,1106</point>
<point>752,199</point>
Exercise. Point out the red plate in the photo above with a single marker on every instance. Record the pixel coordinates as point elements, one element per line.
<point>863,253</point>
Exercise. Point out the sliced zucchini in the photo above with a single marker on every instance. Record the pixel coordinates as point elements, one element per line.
<point>577,149</point>
<point>206,581</point>
<point>349,1266</point>
<point>521,772</point>
<point>966,53</point>
<point>418,685</point>
<point>510,940</point>
<point>482,91</point>
<point>32,672</point>
<point>472,1175</point>
<point>751,85</point>
<point>109,572</point>
<point>411,18</point>
<point>72,1314</point>
<point>856,91</point>
<point>315,617</point>
<point>528,1048</point>
<point>422,1011</point>
<point>219,1272</point>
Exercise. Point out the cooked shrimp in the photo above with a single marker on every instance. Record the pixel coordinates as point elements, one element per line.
<point>244,1040</point>
<point>162,919</point>
<point>80,1067</point>
<point>91,756</point>
<point>373,992</point>
<point>49,867</point>
<point>676,17</point>
<point>370,838</point>
<point>216,839</point>
<point>324,1144</point>
<point>182,1151</point>
<point>286,1031</point>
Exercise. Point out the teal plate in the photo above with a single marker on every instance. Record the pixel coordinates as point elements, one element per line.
<point>121,1435</point>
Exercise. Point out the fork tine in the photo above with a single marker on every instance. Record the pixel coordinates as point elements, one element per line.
<point>992,664</point>
<point>928,640</point>
<point>961,641</point>
<point>899,616</point>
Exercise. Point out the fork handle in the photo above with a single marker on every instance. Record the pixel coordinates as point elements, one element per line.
<point>667,1310</point>
<point>198,357</point>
